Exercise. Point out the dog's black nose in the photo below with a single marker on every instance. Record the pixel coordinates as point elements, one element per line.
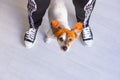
<point>64,48</point>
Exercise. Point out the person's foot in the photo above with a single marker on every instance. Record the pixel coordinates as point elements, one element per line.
<point>87,36</point>
<point>29,38</point>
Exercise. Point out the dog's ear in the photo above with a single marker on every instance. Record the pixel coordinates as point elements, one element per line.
<point>77,28</point>
<point>55,24</point>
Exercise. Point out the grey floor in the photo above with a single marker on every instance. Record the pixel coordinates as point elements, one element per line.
<point>47,61</point>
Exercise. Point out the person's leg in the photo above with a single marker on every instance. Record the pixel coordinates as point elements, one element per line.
<point>36,11</point>
<point>83,10</point>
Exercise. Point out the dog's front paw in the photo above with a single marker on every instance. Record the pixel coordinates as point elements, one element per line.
<point>47,39</point>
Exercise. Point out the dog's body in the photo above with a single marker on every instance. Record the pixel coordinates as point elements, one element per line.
<point>60,29</point>
<point>58,11</point>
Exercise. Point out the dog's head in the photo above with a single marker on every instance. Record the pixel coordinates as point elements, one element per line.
<point>66,37</point>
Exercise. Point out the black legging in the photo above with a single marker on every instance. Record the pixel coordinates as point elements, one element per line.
<point>37,9</point>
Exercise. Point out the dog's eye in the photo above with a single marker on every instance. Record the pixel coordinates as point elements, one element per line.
<point>70,40</point>
<point>61,39</point>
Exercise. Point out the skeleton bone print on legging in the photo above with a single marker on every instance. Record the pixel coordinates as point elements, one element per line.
<point>88,10</point>
<point>32,7</point>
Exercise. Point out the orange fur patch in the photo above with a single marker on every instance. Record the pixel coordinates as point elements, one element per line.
<point>78,26</point>
<point>64,30</point>
<point>55,24</point>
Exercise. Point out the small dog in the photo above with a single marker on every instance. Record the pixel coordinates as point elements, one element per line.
<point>60,29</point>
